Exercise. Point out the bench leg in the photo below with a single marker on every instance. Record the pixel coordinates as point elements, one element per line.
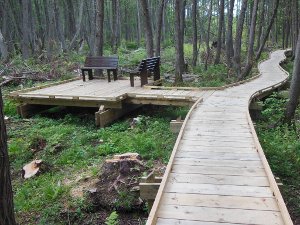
<point>144,79</point>
<point>115,73</point>
<point>90,72</point>
<point>83,75</point>
<point>132,80</point>
<point>108,75</point>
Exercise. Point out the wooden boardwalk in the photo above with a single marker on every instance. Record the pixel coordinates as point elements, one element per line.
<point>217,173</point>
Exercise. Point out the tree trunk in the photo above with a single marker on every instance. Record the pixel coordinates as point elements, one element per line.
<point>208,34</point>
<point>159,27</point>
<point>148,28</point>
<point>79,27</point>
<point>261,23</point>
<point>3,48</point>
<point>195,33</point>
<point>71,19</point>
<point>51,40</point>
<point>238,39</point>
<point>114,26</point>
<point>98,50</point>
<point>229,41</point>
<point>221,22</point>
<point>138,23</point>
<point>250,53</point>
<point>7,216</point>
<point>59,28</point>
<point>25,29</point>
<point>295,87</point>
<point>179,42</point>
<point>268,30</point>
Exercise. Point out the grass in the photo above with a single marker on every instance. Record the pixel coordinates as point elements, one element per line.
<point>74,146</point>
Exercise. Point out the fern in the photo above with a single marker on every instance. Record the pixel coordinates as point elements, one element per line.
<point>113,219</point>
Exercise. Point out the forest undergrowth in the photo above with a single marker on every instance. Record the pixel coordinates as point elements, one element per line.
<point>281,145</point>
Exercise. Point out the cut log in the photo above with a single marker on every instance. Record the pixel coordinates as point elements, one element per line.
<point>31,169</point>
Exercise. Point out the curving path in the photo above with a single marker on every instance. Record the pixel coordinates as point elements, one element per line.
<point>217,173</point>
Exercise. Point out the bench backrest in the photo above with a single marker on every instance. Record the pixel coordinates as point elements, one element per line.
<point>101,61</point>
<point>150,64</point>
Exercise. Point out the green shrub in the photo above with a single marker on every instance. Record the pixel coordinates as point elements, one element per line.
<point>113,219</point>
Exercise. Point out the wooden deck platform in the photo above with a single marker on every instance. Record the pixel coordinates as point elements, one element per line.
<point>95,93</point>
<point>217,173</point>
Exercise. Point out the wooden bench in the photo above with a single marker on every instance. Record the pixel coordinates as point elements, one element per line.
<point>146,68</point>
<point>109,63</point>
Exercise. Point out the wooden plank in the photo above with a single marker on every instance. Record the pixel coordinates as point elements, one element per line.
<point>219,201</point>
<point>221,215</point>
<point>218,155</point>
<point>154,210</point>
<point>233,144</point>
<point>218,179</point>
<point>218,162</point>
<point>188,148</point>
<point>183,169</point>
<point>163,221</point>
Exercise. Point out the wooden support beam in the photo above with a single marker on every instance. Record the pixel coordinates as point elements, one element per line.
<point>175,125</point>
<point>175,102</point>
<point>149,187</point>
<point>69,102</point>
<point>106,116</point>
<point>256,105</point>
<point>28,110</point>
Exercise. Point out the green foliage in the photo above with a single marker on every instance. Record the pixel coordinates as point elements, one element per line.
<point>113,219</point>
<point>10,108</point>
<point>274,108</point>
<point>72,145</point>
<point>282,148</point>
<point>125,200</point>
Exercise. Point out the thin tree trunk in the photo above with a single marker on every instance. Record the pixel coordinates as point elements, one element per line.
<point>229,41</point>
<point>208,34</point>
<point>79,27</point>
<point>178,42</point>
<point>59,28</point>
<point>148,28</point>
<point>195,32</point>
<point>221,22</point>
<point>138,23</point>
<point>25,30</point>
<point>71,19</point>
<point>51,40</point>
<point>114,27</point>
<point>268,30</point>
<point>261,23</point>
<point>7,216</point>
<point>295,87</point>
<point>99,38</point>
<point>159,27</point>
<point>238,39</point>
<point>3,48</point>
<point>250,53</point>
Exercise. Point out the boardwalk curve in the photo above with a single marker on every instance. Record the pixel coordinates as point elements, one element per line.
<point>218,173</point>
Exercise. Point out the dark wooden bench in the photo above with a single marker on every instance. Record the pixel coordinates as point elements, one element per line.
<point>109,63</point>
<point>146,68</point>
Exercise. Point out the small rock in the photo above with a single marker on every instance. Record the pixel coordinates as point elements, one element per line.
<point>135,188</point>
